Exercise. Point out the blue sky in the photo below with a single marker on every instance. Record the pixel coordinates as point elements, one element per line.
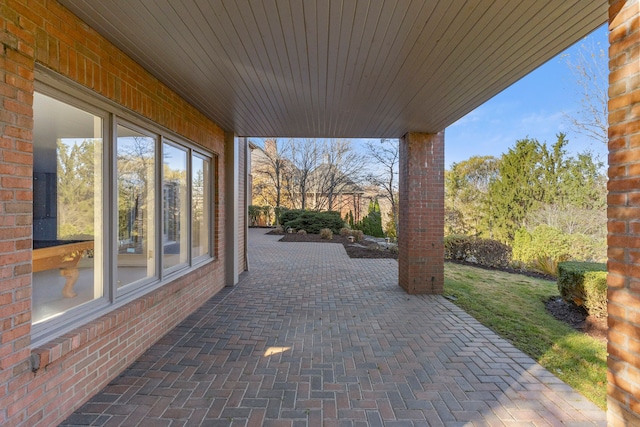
<point>532,107</point>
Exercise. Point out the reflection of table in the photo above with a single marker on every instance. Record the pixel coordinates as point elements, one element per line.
<point>61,254</point>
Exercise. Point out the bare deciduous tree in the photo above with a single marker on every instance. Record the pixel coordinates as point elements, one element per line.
<point>339,173</point>
<point>589,66</point>
<point>304,157</point>
<point>273,164</point>
<point>385,153</point>
<point>571,219</point>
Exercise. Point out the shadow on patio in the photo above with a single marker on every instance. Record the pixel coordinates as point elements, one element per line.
<point>312,337</point>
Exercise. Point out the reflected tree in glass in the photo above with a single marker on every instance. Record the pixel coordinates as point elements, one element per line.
<point>200,212</point>
<point>68,205</point>
<point>75,189</point>
<point>136,174</point>
<point>174,206</point>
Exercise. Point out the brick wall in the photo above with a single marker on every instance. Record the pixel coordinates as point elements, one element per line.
<point>421,213</point>
<point>624,214</point>
<point>75,366</point>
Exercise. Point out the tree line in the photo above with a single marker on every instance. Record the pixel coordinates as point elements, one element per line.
<point>532,185</point>
<point>529,186</point>
<point>325,175</point>
<point>305,173</point>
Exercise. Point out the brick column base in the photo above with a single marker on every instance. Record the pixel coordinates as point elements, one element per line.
<point>421,213</point>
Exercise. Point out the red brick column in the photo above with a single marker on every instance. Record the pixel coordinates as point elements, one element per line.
<point>624,214</point>
<point>421,213</point>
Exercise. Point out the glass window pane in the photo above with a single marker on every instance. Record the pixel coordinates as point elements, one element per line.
<point>67,207</point>
<point>174,206</point>
<point>200,193</point>
<point>136,259</point>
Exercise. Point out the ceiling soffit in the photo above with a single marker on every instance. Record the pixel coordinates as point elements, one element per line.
<point>340,68</point>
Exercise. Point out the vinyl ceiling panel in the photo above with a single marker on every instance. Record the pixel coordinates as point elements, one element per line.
<point>340,68</point>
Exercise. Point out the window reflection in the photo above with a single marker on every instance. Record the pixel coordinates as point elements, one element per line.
<point>157,212</point>
<point>67,207</point>
<point>174,206</point>
<point>135,182</point>
<point>201,207</point>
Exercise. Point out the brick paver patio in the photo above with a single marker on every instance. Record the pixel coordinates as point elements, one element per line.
<point>311,337</point>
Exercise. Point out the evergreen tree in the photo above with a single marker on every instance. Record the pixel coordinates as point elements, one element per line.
<point>371,225</point>
<point>376,217</point>
<point>534,179</point>
<point>466,187</point>
<point>351,221</point>
<point>516,190</point>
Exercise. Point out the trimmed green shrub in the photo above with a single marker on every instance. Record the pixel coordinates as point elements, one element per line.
<point>584,283</point>
<point>457,247</point>
<point>313,221</point>
<point>486,252</point>
<point>491,253</point>
<point>546,242</point>
<point>287,215</point>
<point>543,242</point>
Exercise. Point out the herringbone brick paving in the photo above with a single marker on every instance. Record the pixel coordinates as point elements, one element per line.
<point>311,337</point>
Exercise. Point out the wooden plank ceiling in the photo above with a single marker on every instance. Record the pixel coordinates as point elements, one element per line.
<point>340,68</point>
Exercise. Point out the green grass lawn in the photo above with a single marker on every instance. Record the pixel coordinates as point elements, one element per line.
<point>513,306</point>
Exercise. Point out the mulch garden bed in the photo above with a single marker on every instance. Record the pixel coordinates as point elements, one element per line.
<point>363,249</point>
<point>569,313</point>
<point>577,318</point>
